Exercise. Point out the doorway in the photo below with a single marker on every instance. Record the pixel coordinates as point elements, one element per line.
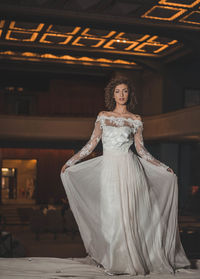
<point>18,180</point>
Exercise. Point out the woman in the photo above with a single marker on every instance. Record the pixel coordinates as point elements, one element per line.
<point>125,205</point>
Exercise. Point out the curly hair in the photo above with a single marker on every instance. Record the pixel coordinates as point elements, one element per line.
<point>109,93</point>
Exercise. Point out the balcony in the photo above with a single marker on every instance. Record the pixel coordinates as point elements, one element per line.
<point>177,125</point>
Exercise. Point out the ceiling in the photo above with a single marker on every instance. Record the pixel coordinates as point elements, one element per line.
<point>121,34</point>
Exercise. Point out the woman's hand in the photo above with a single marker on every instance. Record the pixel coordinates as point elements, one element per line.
<point>64,168</point>
<point>170,170</point>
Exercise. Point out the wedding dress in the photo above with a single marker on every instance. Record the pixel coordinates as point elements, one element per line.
<point>125,205</point>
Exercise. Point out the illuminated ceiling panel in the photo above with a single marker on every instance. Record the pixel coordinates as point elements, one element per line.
<point>133,33</point>
<point>164,13</point>
<point>181,11</point>
<point>182,3</point>
<point>193,18</point>
<point>81,38</point>
<point>67,59</point>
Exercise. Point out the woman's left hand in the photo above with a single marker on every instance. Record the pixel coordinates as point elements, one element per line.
<point>170,170</point>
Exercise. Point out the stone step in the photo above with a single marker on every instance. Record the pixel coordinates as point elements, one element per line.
<point>11,214</point>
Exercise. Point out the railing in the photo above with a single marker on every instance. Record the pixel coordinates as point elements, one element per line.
<point>180,124</point>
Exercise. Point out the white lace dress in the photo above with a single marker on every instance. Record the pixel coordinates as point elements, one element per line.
<point>125,205</point>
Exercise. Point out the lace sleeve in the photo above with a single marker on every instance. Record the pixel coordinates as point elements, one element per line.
<point>140,148</point>
<point>90,145</point>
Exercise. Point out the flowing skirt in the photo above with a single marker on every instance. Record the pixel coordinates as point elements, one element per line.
<point>126,211</point>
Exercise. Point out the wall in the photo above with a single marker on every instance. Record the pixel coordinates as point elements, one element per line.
<point>77,96</point>
<point>177,78</point>
<point>49,163</point>
<point>152,93</point>
<point>26,176</point>
<point>68,95</point>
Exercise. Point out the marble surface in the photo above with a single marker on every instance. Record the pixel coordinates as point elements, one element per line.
<point>57,268</point>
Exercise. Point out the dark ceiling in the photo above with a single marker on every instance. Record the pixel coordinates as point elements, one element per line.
<point>117,34</point>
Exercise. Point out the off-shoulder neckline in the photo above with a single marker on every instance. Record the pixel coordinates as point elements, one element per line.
<point>119,117</point>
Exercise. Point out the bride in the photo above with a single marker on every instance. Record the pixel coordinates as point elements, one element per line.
<point>125,204</point>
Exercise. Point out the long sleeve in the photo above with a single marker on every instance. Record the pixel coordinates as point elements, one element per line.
<point>140,148</point>
<point>90,145</point>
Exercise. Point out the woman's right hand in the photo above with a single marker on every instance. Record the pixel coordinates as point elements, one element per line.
<point>170,170</point>
<point>64,168</point>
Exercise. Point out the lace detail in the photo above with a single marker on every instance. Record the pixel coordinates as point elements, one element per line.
<point>120,122</point>
<point>142,151</point>
<point>118,139</point>
<point>116,120</point>
<point>89,147</point>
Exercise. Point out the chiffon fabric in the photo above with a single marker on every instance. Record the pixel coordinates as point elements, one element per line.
<point>125,204</point>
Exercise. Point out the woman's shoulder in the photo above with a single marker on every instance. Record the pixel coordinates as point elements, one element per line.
<point>129,115</point>
<point>103,113</point>
<point>135,116</point>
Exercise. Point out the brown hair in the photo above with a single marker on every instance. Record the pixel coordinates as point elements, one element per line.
<point>109,93</point>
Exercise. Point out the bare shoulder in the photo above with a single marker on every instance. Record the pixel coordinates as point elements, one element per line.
<point>101,113</point>
<point>135,116</point>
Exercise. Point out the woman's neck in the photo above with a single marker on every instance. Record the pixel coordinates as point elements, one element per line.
<point>120,109</point>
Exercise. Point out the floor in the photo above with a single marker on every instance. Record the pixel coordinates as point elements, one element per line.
<point>65,245</point>
<point>57,268</point>
<point>63,257</point>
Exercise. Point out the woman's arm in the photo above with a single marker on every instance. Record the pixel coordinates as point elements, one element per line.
<point>140,148</point>
<point>90,145</point>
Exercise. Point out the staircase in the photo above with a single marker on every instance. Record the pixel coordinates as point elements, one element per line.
<point>11,213</point>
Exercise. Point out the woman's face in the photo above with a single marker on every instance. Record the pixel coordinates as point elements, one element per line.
<point>121,94</point>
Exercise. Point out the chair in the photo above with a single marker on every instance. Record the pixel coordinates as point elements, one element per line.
<point>6,244</point>
<point>54,222</point>
<point>70,223</point>
<point>38,223</point>
<point>25,214</point>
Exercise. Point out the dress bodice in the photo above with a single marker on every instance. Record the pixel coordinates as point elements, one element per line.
<point>118,132</point>
<point>116,138</point>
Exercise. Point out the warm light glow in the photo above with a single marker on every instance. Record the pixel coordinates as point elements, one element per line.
<point>7,171</point>
<point>177,13</point>
<point>177,8</point>
<point>86,59</point>
<point>23,172</point>
<point>4,169</point>
<point>31,33</point>
<point>12,89</point>
<point>119,61</point>
<point>37,29</point>
<point>143,38</point>
<point>98,44</point>
<point>2,23</point>
<point>173,42</point>
<point>75,42</point>
<point>67,38</point>
<point>71,59</point>
<point>104,60</point>
<point>74,31</point>
<point>32,38</point>
<point>76,36</point>
<point>195,189</point>
<point>184,19</point>
<point>171,3</point>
